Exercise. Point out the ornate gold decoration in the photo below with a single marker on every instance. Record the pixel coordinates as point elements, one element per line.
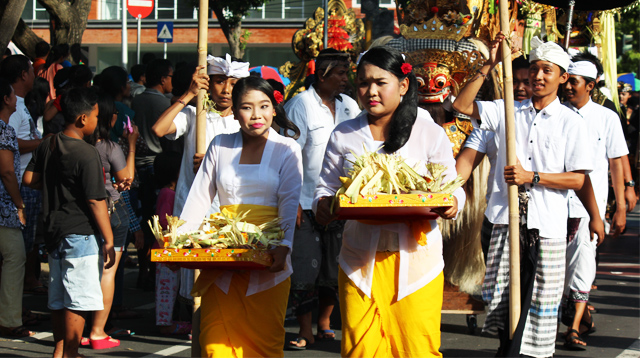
<point>435,28</point>
<point>308,42</point>
<point>458,130</point>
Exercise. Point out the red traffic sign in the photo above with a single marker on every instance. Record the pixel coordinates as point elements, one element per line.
<point>141,8</point>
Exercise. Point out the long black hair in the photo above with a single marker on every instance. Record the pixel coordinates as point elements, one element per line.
<point>247,84</point>
<point>106,110</point>
<point>113,80</point>
<point>56,53</point>
<point>36,99</point>
<point>404,117</point>
<point>5,90</point>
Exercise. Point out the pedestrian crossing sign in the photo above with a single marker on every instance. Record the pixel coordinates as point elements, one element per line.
<point>165,31</point>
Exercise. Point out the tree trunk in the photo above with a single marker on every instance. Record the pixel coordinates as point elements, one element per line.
<point>232,34</point>
<point>68,19</point>
<point>26,39</point>
<point>11,12</point>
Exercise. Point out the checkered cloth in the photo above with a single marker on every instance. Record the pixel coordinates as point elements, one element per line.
<point>134,221</point>
<point>408,45</point>
<point>540,329</point>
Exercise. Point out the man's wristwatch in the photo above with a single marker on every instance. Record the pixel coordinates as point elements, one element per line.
<point>630,183</point>
<point>536,178</point>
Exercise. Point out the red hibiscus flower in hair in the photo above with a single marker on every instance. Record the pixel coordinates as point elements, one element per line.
<point>278,96</point>
<point>406,68</point>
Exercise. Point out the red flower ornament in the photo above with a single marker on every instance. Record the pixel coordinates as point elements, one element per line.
<point>278,96</point>
<point>406,68</point>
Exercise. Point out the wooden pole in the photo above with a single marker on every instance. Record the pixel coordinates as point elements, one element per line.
<point>514,212</point>
<point>201,147</point>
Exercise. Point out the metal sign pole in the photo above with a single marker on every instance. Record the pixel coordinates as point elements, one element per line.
<point>165,50</point>
<point>125,55</point>
<point>138,45</point>
<point>325,36</point>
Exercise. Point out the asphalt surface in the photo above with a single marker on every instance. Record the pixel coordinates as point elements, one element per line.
<point>617,300</point>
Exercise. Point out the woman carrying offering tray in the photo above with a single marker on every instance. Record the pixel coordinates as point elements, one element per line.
<point>391,281</point>
<point>255,172</point>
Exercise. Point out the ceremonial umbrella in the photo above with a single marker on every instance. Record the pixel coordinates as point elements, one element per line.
<point>631,79</point>
<point>268,72</point>
<point>584,5</point>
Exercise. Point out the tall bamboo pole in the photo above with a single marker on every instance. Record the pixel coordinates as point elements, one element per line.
<point>514,214</point>
<point>201,147</point>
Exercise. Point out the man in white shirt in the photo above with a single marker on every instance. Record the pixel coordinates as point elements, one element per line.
<point>19,71</point>
<point>607,137</point>
<point>481,142</point>
<point>316,112</point>
<point>552,160</point>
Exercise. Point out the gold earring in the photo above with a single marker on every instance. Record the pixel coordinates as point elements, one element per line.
<point>274,113</point>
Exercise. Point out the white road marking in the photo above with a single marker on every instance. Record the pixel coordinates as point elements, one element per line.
<point>632,352</point>
<point>169,351</point>
<point>35,337</point>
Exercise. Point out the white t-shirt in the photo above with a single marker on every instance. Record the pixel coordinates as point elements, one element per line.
<point>316,123</point>
<point>419,265</point>
<point>185,123</point>
<point>486,142</point>
<point>551,141</point>
<point>25,128</point>
<point>275,182</point>
<point>607,138</point>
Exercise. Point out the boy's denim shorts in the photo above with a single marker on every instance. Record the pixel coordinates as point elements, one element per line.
<point>75,273</point>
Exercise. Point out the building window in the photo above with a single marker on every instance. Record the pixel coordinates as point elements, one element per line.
<point>285,9</point>
<point>34,11</point>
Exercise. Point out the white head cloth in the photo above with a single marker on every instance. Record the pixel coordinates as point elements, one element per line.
<point>224,66</point>
<point>549,51</point>
<point>584,69</point>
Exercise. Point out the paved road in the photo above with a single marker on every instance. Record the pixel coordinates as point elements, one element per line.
<point>617,300</point>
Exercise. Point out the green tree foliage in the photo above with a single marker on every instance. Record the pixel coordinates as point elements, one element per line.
<point>629,24</point>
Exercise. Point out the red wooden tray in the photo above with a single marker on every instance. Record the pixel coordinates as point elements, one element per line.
<point>224,259</point>
<point>415,206</point>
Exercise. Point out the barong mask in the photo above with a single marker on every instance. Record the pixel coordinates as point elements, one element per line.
<point>440,72</point>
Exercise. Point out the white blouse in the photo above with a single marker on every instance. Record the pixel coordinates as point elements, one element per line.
<point>418,264</point>
<point>275,182</point>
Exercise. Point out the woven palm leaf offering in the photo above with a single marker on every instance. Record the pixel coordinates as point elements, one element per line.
<point>222,241</point>
<point>383,186</point>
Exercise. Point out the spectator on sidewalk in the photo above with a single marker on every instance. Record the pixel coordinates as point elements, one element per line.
<point>148,106</point>
<point>69,172</point>
<point>139,79</point>
<point>42,50</point>
<point>12,218</point>
<point>18,70</point>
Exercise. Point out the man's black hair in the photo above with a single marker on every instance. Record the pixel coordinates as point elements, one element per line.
<point>148,57</point>
<point>157,69</point>
<point>76,102</point>
<point>12,67</point>
<point>42,49</point>
<point>520,63</point>
<point>138,71</point>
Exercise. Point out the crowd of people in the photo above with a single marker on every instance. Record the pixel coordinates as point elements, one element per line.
<point>86,160</point>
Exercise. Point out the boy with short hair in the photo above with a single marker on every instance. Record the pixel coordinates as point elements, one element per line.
<point>69,172</point>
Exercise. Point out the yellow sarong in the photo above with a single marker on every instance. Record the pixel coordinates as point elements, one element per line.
<point>381,326</point>
<point>237,325</point>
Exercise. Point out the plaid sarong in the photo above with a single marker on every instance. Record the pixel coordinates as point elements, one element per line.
<point>539,336</point>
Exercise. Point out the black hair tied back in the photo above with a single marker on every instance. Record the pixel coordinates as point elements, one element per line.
<point>391,60</point>
<point>247,84</point>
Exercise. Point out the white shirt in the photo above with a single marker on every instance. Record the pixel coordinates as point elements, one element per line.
<point>25,128</point>
<point>185,123</point>
<point>315,121</point>
<point>551,141</point>
<point>418,264</point>
<point>486,142</point>
<point>607,138</point>
<point>275,182</point>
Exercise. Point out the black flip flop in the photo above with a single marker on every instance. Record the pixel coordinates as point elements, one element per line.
<point>569,341</point>
<point>296,346</point>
